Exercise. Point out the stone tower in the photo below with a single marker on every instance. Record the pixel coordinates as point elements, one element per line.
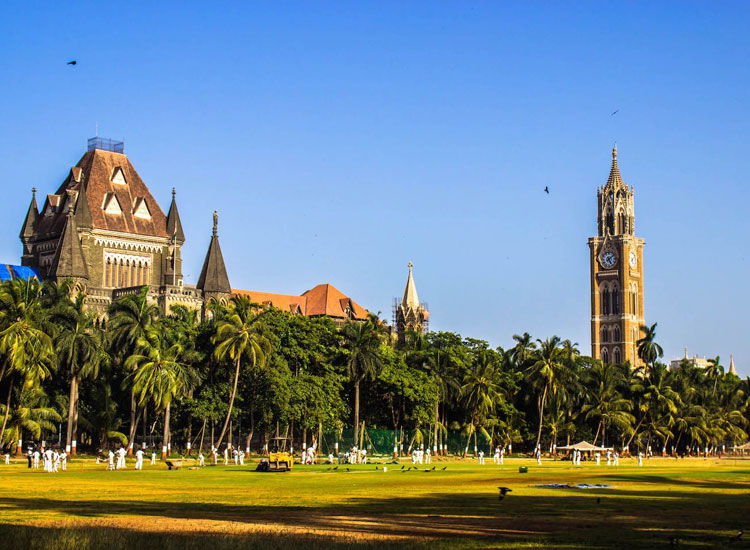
<point>410,314</point>
<point>616,274</point>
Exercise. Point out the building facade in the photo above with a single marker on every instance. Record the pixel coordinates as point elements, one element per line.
<point>105,231</point>
<point>616,259</point>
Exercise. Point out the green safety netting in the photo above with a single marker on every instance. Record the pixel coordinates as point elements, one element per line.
<point>382,442</point>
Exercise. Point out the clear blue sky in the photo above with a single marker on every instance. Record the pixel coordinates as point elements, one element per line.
<point>340,141</point>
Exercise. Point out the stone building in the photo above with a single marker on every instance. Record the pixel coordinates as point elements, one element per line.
<point>616,258</point>
<point>104,230</point>
<point>409,313</point>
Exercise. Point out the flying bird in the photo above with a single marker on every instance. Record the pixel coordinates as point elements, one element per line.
<point>403,466</point>
<point>336,468</point>
<point>445,468</point>
<point>737,537</point>
<point>615,112</point>
<point>74,62</point>
<point>546,189</point>
<point>503,491</point>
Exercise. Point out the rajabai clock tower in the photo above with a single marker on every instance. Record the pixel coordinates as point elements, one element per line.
<point>616,274</point>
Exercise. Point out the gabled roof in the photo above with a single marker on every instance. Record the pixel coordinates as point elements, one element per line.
<point>284,302</point>
<point>27,230</point>
<point>174,225</point>
<point>327,300</point>
<point>214,276</point>
<point>95,170</point>
<point>69,260</point>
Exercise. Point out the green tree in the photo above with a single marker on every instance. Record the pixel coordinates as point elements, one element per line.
<point>548,372</point>
<point>648,350</point>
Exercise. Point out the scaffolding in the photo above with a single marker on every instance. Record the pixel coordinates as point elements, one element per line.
<point>398,323</point>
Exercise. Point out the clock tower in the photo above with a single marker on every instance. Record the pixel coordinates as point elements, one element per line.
<point>616,274</point>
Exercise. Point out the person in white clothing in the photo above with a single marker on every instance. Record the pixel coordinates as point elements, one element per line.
<point>502,456</point>
<point>64,460</point>
<point>226,455</point>
<point>139,459</point>
<point>48,460</point>
<point>427,457</point>
<point>609,457</point>
<point>111,464</point>
<point>598,459</point>
<point>236,457</point>
<point>617,459</point>
<point>7,458</point>
<point>481,457</point>
<point>304,456</point>
<point>201,460</point>
<point>36,459</point>
<point>242,458</point>
<point>539,457</point>
<point>640,458</point>
<point>496,456</point>
<point>121,458</point>
<point>55,462</point>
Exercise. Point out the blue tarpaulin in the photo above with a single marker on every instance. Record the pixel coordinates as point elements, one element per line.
<point>24,272</point>
<point>5,275</point>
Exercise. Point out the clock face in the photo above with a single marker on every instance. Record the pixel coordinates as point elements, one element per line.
<point>609,259</point>
<point>633,259</point>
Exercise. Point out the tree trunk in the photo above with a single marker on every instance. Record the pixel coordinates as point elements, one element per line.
<point>7,409</point>
<point>74,444</point>
<point>203,433</point>
<point>635,431</point>
<point>435,433</point>
<point>541,415</point>
<point>145,423</point>
<point>231,402</point>
<point>356,410</point>
<point>71,412</point>
<point>133,422</point>
<point>189,435</point>
<point>598,429</point>
<point>165,438</point>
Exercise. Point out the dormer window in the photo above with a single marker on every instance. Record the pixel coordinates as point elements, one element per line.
<point>140,209</point>
<point>118,176</point>
<point>110,204</point>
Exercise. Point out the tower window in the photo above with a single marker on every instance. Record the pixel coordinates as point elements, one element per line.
<point>605,355</point>
<point>616,334</point>
<point>605,334</point>
<point>605,301</point>
<point>616,301</point>
<point>616,355</point>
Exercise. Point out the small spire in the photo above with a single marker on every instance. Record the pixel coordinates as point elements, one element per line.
<point>216,223</point>
<point>732,370</point>
<point>33,192</point>
<point>614,152</point>
<point>410,300</point>
<point>174,192</point>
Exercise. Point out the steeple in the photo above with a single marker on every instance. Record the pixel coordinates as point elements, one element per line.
<point>411,300</point>
<point>27,230</point>
<point>214,278</point>
<point>83,213</point>
<point>732,370</point>
<point>69,260</point>
<point>615,180</point>
<point>174,225</point>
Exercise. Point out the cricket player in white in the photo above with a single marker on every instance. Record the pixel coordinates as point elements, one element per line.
<point>139,459</point>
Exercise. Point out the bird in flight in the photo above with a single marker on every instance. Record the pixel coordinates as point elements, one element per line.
<point>74,62</point>
<point>546,189</point>
<point>615,112</point>
<point>504,491</point>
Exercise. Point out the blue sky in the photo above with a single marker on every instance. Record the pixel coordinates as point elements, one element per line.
<point>339,141</point>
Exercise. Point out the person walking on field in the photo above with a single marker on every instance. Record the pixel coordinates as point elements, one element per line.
<point>226,455</point>
<point>609,457</point>
<point>201,460</point>
<point>617,459</point>
<point>64,460</point>
<point>539,457</point>
<point>598,459</point>
<point>640,458</point>
<point>36,459</point>
<point>139,459</point>
<point>111,465</point>
<point>481,457</point>
<point>7,458</point>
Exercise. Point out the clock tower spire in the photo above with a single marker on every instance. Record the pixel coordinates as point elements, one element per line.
<point>616,257</point>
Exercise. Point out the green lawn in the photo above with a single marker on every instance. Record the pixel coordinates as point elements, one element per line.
<point>702,502</point>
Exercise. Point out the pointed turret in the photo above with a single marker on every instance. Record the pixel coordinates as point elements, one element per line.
<point>174,225</point>
<point>214,280</point>
<point>732,370</point>
<point>69,260</point>
<point>615,180</point>
<point>411,300</point>
<point>27,230</point>
<point>83,212</point>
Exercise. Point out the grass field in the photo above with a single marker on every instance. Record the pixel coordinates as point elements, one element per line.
<point>703,502</point>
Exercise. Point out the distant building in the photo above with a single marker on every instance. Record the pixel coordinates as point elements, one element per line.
<point>409,313</point>
<point>699,362</point>
<point>103,229</point>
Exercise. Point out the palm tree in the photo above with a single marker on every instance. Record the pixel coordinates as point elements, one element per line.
<point>605,402</point>
<point>658,402</point>
<point>481,392</point>
<point>648,350</point>
<point>714,371</point>
<point>29,415</point>
<point>238,336</point>
<point>547,372</point>
<point>523,351</point>
<point>160,375</point>
<point>26,348</point>
<point>129,320</point>
<point>362,341</point>
<point>78,350</point>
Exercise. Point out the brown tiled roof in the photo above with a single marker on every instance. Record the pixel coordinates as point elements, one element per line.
<point>284,302</point>
<point>323,299</point>
<point>327,300</point>
<point>95,170</point>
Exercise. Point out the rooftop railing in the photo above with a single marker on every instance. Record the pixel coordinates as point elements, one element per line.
<point>106,144</point>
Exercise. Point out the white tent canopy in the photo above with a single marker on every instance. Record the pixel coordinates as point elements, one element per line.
<point>583,446</point>
<point>745,447</point>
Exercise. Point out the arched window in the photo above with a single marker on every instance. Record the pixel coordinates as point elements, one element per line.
<point>616,355</point>
<point>635,300</point>
<point>605,300</point>
<point>610,221</point>
<point>621,222</point>
<point>616,334</point>
<point>605,334</point>
<point>605,355</point>
<point>108,274</point>
<point>616,301</point>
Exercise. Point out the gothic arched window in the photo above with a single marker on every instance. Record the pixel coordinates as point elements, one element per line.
<point>610,221</point>
<point>616,355</point>
<point>616,334</point>
<point>605,355</point>
<point>621,222</point>
<point>605,334</point>
<point>616,301</point>
<point>605,300</point>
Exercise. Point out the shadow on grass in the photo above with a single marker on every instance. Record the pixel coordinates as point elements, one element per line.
<point>623,518</point>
